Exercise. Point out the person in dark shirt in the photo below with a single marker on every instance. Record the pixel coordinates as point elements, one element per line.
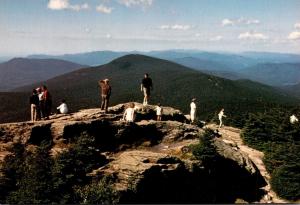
<point>47,102</point>
<point>146,86</point>
<point>105,93</point>
<point>34,103</point>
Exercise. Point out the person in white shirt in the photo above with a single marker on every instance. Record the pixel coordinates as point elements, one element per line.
<point>129,114</point>
<point>221,115</point>
<point>293,119</point>
<point>193,110</point>
<point>159,111</point>
<point>41,111</point>
<point>63,108</point>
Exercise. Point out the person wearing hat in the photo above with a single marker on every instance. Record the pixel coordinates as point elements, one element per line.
<point>193,110</point>
<point>105,93</point>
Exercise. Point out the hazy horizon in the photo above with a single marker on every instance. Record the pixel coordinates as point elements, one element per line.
<point>57,27</point>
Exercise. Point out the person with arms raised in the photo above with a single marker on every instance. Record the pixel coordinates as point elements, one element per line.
<point>105,94</point>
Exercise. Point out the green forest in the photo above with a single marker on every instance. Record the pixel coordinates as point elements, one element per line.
<point>34,177</point>
<point>272,133</point>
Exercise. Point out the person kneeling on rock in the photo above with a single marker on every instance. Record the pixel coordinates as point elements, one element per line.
<point>129,114</point>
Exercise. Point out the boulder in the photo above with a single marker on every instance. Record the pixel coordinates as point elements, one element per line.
<point>151,161</point>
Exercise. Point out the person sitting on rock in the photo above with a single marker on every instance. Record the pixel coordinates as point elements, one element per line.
<point>105,93</point>
<point>63,108</point>
<point>293,119</point>
<point>193,110</point>
<point>146,85</point>
<point>129,114</point>
<point>159,111</point>
<point>221,115</point>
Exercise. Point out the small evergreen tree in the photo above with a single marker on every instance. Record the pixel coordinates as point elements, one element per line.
<point>101,192</point>
<point>11,170</point>
<point>71,167</point>
<point>285,181</point>
<point>205,150</point>
<point>31,173</point>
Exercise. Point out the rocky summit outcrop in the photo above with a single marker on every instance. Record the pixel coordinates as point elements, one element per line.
<point>150,161</point>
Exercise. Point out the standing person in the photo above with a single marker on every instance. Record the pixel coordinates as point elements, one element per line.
<point>159,111</point>
<point>193,110</point>
<point>221,115</point>
<point>47,102</point>
<point>129,114</point>
<point>146,85</point>
<point>63,108</point>
<point>105,93</point>
<point>41,111</point>
<point>34,103</point>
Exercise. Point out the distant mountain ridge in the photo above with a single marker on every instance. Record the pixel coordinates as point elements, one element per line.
<point>23,71</point>
<point>174,85</point>
<point>274,74</point>
<point>292,89</point>
<point>231,60</point>
<point>94,58</point>
<point>246,65</point>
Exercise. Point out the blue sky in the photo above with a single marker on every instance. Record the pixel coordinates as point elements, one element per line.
<point>74,26</point>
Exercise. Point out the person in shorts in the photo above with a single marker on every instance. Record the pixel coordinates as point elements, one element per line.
<point>146,86</point>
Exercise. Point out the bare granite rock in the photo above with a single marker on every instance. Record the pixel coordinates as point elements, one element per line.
<point>151,161</point>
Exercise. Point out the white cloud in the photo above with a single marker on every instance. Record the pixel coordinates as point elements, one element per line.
<point>58,4</point>
<point>176,27</point>
<point>130,3</point>
<point>87,30</point>
<point>108,36</point>
<point>216,38</point>
<point>240,21</point>
<point>297,25</point>
<point>294,35</point>
<point>247,21</point>
<point>227,22</point>
<point>252,36</point>
<point>103,9</point>
<point>65,4</point>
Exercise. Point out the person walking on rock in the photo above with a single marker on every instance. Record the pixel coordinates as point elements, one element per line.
<point>221,115</point>
<point>129,114</point>
<point>146,86</point>
<point>34,104</point>
<point>193,110</point>
<point>105,93</point>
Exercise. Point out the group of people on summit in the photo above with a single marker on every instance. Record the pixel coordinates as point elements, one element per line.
<point>41,103</point>
<point>146,87</point>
